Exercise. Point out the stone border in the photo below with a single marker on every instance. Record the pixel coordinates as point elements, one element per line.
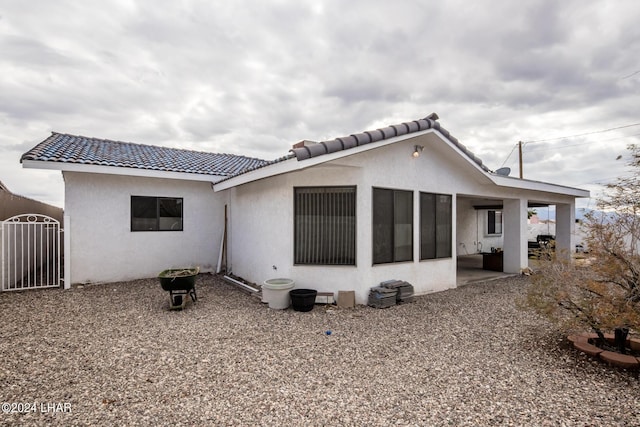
<point>583,343</point>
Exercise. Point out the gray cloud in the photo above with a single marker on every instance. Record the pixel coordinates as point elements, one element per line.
<point>252,77</point>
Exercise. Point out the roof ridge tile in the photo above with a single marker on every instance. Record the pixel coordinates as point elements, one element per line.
<point>388,132</point>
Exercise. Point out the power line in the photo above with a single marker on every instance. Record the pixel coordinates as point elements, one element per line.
<point>582,134</point>
<point>512,150</point>
<point>556,148</point>
<point>630,75</point>
<point>522,144</point>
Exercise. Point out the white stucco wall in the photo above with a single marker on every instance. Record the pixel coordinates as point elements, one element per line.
<point>467,235</point>
<point>472,230</point>
<point>262,217</point>
<point>103,247</point>
<point>262,223</point>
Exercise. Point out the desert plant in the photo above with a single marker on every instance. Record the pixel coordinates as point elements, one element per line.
<point>603,293</point>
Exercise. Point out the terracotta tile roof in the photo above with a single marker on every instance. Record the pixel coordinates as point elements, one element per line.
<point>67,148</point>
<point>367,137</point>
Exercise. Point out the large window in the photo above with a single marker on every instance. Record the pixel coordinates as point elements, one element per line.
<point>435,226</point>
<point>392,225</point>
<point>494,222</point>
<point>156,213</point>
<point>325,225</point>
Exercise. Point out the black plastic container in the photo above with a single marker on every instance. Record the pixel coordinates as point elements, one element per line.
<point>303,299</point>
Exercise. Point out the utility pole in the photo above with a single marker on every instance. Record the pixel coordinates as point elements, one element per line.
<point>520,157</point>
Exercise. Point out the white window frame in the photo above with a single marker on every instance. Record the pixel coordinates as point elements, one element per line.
<point>494,222</point>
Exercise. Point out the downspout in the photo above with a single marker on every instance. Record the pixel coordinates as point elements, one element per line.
<point>229,225</point>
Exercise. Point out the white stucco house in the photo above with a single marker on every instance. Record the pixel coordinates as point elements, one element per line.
<point>399,202</point>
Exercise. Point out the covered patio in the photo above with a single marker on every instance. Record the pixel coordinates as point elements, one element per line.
<point>492,235</point>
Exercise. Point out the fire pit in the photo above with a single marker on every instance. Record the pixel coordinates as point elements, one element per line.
<point>179,282</point>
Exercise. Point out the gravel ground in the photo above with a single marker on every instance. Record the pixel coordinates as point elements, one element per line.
<point>115,355</point>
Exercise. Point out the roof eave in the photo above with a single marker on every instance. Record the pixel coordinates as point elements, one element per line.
<point>483,170</point>
<point>118,170</point>
<point>525,184</point>
<point>293,164</point>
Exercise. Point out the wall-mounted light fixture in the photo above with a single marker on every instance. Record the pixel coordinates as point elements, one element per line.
<point>417,150</point>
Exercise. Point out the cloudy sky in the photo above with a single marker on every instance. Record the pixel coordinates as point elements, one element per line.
<point>254,77</point>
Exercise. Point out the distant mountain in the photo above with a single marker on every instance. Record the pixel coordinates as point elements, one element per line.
<point>582,212</point>
<point>550,213</point>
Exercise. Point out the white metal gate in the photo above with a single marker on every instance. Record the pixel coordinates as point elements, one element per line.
<point>30,252</point>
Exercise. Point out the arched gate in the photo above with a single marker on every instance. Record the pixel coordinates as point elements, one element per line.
<point>30,252</point>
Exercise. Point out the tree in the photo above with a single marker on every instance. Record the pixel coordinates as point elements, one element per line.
<point>603,293</point>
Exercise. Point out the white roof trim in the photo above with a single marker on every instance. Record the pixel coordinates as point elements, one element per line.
<point>293,164</point>
<point>119,170</point>
<point>525,184</point>
<point>462,154</point>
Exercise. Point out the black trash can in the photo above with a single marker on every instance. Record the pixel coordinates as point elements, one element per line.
<point>303,299</point>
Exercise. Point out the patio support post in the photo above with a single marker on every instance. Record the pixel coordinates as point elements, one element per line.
<point>515,235</point>
<point>565,227</point>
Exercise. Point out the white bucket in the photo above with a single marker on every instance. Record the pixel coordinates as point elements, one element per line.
<point>276,293</point>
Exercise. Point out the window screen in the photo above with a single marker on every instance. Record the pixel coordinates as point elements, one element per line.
<point>392,225</point>
<point>325,225</point>
<point>494,222</point>
<point>435,226</point>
